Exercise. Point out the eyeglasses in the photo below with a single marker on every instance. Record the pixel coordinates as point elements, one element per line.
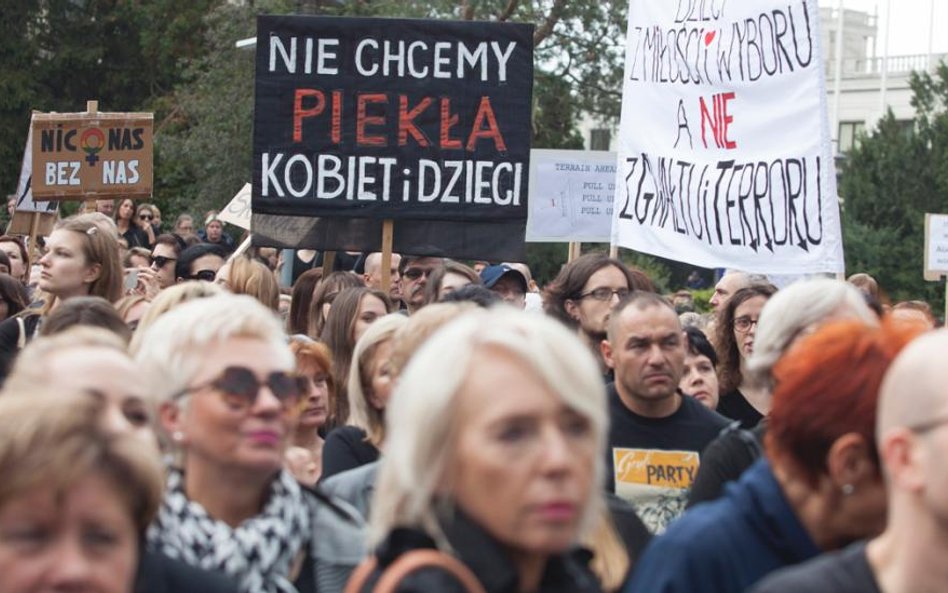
<point>160,261</point>
<point>145,216</point>
<point>744,324</point>
<point>416,273</point>
<point>205,275</point>
<point>240,387</point>
<point>604,293</point>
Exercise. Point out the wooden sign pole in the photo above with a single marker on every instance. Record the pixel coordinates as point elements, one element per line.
<point>92,107</point>
<point>388,231</point>
<point>34,232</point>
<point>575,249</point>
<point>329,258</point>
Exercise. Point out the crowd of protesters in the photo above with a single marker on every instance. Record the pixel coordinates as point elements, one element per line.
<point>173,419</point>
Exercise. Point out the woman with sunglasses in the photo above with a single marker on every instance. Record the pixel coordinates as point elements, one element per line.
<point>741,398</point>
<point>129,227</point>
<point>229,399</point>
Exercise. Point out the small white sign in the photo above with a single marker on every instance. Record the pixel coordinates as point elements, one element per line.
<point>936,248</point>
<point>571,195</point>
<point>238,210</point>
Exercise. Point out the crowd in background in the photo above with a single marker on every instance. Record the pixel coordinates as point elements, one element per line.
<point>175,416</point>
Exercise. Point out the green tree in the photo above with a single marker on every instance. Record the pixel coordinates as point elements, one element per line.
<point>888,182</point>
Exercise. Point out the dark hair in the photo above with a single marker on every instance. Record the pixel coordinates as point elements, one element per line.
<point>301,297</point>
<point>85,310</point>
<point>326,292</point>
<point>725,343</point>
<point>339,335</point>
<point>478,294</point>
<point>699,345</point>
<point>437,278</point>
<point>13,293</point>
<point>569,283</point>
<point>24,254</point>
<point>182,269</point>
<point>135,251</point>
<point>5,260</point>
<point>173,241</point>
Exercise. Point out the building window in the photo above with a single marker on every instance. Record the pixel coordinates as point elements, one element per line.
<point>599,139</point>
<point>849,133</point>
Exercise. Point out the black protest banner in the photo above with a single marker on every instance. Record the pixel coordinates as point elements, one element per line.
<point>422,122</point>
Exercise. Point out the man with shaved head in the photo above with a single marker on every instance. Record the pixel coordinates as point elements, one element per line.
<point>912,436</point>
<point>731,282</point>
<point>373,274</point>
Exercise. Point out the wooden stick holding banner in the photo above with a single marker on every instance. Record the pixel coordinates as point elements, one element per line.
<point>92,107</point>
<point>575,249</point>
<point>614,251</point>
<point>388,232</point>
<point>241,249</point>
<point>34,233</point>
<point>329,259</point>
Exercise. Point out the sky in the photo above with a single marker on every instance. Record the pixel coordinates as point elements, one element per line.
<point>908,33</point>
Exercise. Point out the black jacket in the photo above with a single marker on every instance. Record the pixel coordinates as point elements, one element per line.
<point>485,557</point>
<point>158,573</point>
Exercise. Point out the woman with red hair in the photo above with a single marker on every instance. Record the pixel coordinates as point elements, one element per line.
<point>304,457</point>
<point>818,489</point>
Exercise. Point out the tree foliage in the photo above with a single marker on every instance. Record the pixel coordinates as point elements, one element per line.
<point>888,182</point>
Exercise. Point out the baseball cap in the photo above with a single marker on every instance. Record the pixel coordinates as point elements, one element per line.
<point>491,274</point>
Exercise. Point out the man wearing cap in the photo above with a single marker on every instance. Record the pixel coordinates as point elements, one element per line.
<point>508,282</point>
<point>213,232</point>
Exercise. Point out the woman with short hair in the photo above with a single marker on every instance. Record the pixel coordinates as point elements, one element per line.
<point>243,275</point>
<point>228,397</point>
<point>505,485</point>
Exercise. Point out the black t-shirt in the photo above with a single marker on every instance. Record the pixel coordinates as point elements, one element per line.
<point>846,571</point>
<point>724,460</point>
<point>652,462</point>
<point>346,448</point>
<point>735,406</point>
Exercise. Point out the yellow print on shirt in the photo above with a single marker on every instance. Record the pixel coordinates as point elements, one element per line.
<point>653,467</point>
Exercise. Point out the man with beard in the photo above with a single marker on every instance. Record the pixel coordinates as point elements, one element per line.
<point>656,433</point>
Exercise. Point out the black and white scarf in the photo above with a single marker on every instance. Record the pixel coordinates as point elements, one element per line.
<point>258,554</point>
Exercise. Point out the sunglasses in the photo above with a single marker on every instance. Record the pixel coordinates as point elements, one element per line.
<point>416,273</point>
<point>205,275</point>
<point>240,387</point>
<point>145,216</point>
<point>160,261</point>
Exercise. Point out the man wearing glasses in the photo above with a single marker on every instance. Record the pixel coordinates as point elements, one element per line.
<point>199,262</point>
<point>164,255</point>
<point>912,439</point>
<point>415,272</point>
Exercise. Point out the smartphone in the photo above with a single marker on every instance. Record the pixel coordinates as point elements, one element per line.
<point>131,279</point>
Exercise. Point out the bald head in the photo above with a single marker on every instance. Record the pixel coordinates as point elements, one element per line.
<point>915,388</point>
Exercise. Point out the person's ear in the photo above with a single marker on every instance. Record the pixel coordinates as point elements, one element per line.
<point>849,462</point>
<point>605,348</point>
<point>903,457</point>
<point>571,308</point>
<point>92,273</point>
<point>171,418</point>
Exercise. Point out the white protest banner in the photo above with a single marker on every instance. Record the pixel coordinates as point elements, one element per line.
<point>238,210</point>
<point>571,195</point>
<point>24,191</point>
<point>936,246</point>
<point>724,152</point>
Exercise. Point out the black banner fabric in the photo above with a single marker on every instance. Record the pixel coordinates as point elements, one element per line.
<point>409,120</point>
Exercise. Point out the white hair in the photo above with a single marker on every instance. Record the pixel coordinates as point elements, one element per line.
<point>421,418</point>
<point>797,307</point>
<point>171,350</point>
<point>379,331</point>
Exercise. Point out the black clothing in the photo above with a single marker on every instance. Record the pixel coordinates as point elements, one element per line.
<point>158,573</point>
<point>346,448</point>
<point>136,237</point>
<point>845,571</point>
<point>725,459</point>
<point>10,338</point>
<point>567,573</point>
<point>735,406</point>
<point>635,535</point>
<point>652,462</point>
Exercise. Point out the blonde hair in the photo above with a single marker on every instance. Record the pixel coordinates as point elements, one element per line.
<point>171,350</point>
<point>48,442</point>
<point>100,247</point>
<point>170,298</point>
<point>30,370</point>
<point>361,413</point>
<point>416,462</point>
<point>248,276</point>
<point>610,562</point>
<point>421,325</point>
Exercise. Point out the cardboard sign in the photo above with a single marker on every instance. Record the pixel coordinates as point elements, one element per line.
<point>238,210</point>
<point>22,223</point>
<point>724,147</point>
<point>83,156</point>
<point>409,120</point>
<point>571,194</point>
